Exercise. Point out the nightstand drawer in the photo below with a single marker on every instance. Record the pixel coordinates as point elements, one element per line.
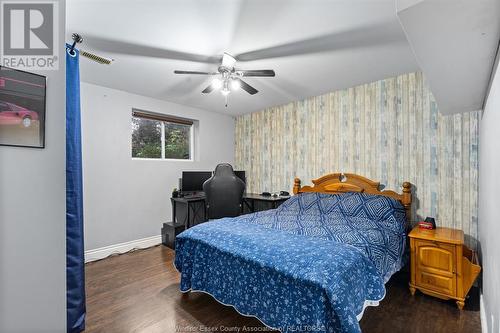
<point>442,284</point>
<point>434,257</point>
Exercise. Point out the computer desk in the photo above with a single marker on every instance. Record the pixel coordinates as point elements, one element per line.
<point>249,200</point>
<point>191,208</point>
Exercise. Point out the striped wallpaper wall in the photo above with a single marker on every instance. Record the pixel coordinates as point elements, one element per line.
<point>389,130</point>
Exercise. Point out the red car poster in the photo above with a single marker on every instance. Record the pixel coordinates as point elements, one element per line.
<point>22,108</point>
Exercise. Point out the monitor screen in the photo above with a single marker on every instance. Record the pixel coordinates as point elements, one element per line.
<point>192,181</point>
<point>241,175</point>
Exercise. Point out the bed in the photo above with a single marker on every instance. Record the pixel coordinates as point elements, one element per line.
<point>311,265</point>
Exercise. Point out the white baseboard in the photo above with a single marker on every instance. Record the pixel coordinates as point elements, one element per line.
<point>103,252</point>
<point>482,314</point>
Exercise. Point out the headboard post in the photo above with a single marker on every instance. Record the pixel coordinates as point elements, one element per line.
<point>296,185</point>
<point>406,200</point>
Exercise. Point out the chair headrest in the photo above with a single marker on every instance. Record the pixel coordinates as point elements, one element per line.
<point>224,169</point>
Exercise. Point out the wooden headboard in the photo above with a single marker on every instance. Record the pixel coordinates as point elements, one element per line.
<point>350,182</point>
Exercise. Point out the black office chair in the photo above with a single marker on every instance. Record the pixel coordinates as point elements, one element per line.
<point>224,193</point>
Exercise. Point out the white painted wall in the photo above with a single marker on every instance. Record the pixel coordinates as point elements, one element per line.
<point>33,220</point>
<point>127,199</point>
<point>489,214</point>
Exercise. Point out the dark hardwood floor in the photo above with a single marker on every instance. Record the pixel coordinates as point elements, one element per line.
<point>139,292</point>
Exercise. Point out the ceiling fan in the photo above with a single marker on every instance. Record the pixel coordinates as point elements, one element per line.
<point>228,79</point>
<point>375,34</point>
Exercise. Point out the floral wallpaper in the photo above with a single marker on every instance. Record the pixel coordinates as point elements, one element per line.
<point>389,130</point>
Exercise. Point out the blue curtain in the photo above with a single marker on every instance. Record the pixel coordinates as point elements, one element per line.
<point>75,269</point>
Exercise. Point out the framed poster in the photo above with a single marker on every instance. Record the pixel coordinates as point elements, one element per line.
<point>22,108</point>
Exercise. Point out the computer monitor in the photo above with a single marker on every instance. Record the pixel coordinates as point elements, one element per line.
<point>192,181</point>
<point>241,175</point>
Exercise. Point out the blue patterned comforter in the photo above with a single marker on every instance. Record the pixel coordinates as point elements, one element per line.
<point>311,265</point>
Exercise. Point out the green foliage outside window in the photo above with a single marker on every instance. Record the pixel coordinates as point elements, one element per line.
<point>147,139</point>
<point>177,137</point>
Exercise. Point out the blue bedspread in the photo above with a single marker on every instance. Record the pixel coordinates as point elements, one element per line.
<point>308,266</point>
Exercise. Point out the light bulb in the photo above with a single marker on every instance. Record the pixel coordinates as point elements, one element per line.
<point>216,83</point>
<point>235,85</point>
<point>225,92</point>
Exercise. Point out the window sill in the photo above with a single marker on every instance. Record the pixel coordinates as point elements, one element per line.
<point>161,159</point>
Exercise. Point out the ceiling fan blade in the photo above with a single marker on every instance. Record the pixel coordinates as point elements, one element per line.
<point>374,35</point>
<point>208,89</point>
<point>257,72</point>
<point>122,47</point>
<point>193,72</point>
<point>228,60</point>
<point>248,88</point>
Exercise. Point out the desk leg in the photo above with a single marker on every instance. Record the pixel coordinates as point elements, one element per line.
<point>174,212</point>
<point>244,202</point>
<point>205,210</point>
<point>186,225</point>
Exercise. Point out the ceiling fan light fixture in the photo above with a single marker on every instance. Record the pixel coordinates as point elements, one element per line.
<point>217,83</point>
<point>235,85</point>
<point>227,79</point>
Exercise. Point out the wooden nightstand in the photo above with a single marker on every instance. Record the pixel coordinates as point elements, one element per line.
<point>441,265</point>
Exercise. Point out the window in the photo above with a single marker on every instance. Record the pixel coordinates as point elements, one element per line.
<point>161,137</point>
<point>146,138</point>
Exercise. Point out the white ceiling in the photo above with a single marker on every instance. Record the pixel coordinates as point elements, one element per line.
<point>455,47</point>
<point>314,46</point>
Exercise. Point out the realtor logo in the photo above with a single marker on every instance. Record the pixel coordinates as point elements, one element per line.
<point>29,35</point>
